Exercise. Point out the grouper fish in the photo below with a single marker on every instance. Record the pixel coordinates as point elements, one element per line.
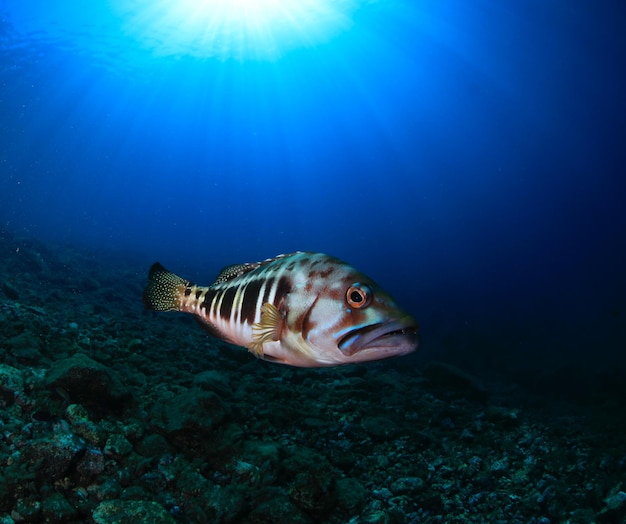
<point>302,309</point>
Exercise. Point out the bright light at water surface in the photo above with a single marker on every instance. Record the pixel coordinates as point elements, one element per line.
<point>239,29</point>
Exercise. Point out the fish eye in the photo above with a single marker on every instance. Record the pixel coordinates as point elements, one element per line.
<point>358,295</point>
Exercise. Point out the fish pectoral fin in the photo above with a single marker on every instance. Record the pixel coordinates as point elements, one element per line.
<point>267,330</point>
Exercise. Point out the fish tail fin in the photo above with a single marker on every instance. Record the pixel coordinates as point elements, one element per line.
<point>164,290</point>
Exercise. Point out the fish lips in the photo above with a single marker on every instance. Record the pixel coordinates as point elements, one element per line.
<point>394,337</point>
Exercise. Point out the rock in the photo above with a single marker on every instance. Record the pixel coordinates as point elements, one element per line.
<point>81,425</point>
<point>30,260</point>
<point>351,495</point>
<point>277,508</point>
<point>56,457</point>
<point>132,430</point>
<point>134,492</point>
<point>211,380</point>
<point>131,512</point>
<point>9,291</point>
<point>505,418</point>
<point>381,429</point>
<point>90,465</point>
<point>89,383</point>
<point>11,380</point>
<point>616,501</point>
<point>153,445</point>
<point>226,503</point>
<point>265,456</point>
<point>614,507</point>
<point>29,509</point>
<point>313,488</point>
<point>25,347</point>
<point>191,417</point>
<point>76,413</point>
<point>90,432</point>
<point>117,446</point>
<point>56,508</point>
<point>407,485</point>
<point>451,380</point>
<point>388,516</point>
<point>375,517</point>
<point>107,489</point>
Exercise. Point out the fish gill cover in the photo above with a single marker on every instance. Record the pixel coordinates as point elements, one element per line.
<point>467,156</point>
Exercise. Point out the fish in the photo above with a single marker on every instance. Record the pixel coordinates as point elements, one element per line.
<point>302,309</point>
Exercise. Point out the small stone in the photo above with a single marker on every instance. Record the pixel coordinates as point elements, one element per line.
<point>109,489</point>
<point>311,492</point>
<point>56,508</point>
<point>153,445</point>
<point>126,511</point>
<point>117,446</point>
<point>407,485</point>
<point>11,380</point>
<point>350,494</point>
<point>91,464</point>
<point>382,494</point>
<point>227,503</point>
<point>380,428</point>
<point>76,413</point>
<point>132,430</point>
<point>277,509</point>
<point>29,509</point>
<point>375,517</point>
<point>616,501</point>
<point>90,432</point>
<point>499,467</point>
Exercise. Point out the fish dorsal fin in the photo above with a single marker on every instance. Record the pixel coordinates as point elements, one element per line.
<point>234,271</point>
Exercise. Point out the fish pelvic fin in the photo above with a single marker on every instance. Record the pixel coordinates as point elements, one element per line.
<point>267,330</point>
<point>164,290</point>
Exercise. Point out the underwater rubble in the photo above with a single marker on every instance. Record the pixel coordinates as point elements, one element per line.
<point>110,414</point>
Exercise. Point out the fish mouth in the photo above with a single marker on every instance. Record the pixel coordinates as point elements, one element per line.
<point>392,337</point>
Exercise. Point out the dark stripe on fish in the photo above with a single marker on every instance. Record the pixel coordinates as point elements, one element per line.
<point>248,306</point>
<point>307,325</point>
<point>284,286</point>
<point>227,302</point>
<point>206,303</point>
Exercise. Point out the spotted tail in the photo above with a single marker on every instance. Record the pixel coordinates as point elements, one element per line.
<point>165,289</point>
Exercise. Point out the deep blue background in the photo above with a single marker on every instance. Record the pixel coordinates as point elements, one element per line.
<point>470,156</point>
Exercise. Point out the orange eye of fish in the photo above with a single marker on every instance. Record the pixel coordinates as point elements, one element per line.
<point>358,296</point>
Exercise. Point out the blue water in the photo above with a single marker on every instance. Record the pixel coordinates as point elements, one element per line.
<point>469,156</point>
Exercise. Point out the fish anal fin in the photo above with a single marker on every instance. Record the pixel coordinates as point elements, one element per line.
<point>212,330</point>
<point>267,330</point>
